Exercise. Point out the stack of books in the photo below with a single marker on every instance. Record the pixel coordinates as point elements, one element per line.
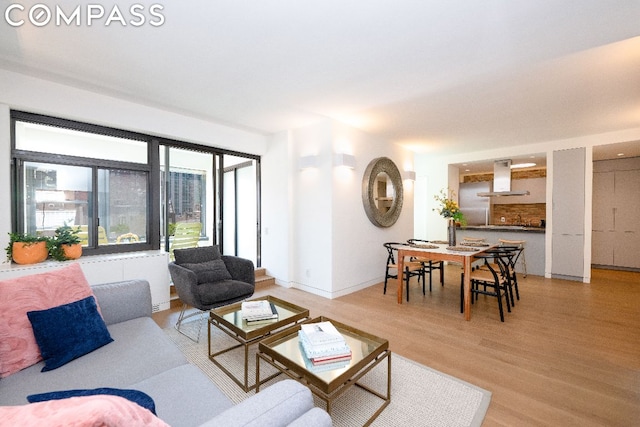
<point>256,312</point>
<point>323,346</point>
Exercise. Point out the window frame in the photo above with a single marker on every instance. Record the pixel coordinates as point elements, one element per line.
<point>19,157</point>
<point>152,167</point>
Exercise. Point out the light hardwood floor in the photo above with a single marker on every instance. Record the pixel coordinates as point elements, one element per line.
<point>567,355</point>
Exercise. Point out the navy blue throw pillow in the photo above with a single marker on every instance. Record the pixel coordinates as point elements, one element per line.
<point>136,396</point>
<point>68,331</point>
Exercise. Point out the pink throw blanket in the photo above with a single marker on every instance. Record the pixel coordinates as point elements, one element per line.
<point>87,411</point>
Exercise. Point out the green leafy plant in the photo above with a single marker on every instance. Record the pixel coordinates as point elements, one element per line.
<point>25,238</point>
<point>64,235</point>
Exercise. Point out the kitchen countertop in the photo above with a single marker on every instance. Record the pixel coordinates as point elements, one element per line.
<point>516,228</point>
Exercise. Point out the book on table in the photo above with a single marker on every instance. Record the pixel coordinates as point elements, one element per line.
<point>323,367</point>
<point>331,359</point>
<point>261,321</point>
<point>321,333</point>
<point>258,311</point>
<point>322,344</point>
<point>323,350</point>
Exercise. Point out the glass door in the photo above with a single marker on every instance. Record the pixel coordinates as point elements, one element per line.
<point>218,192</point>
<point>187,202</point>
<point>240,219</point>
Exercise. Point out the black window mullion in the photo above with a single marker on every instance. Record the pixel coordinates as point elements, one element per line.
<point>153,194</point>
<point>18,209</point>
<point>94,219</point>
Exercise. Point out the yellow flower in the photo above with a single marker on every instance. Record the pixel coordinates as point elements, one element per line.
<point>448,207</point>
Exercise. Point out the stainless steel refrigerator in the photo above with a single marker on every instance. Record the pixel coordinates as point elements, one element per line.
<point>476,210</point>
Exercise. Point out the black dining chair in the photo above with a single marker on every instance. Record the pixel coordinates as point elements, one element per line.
<point>490,279</point>
<point>429,265</point>
<point>510,257</point>
<point>516,252</point>
<point>411,268</point>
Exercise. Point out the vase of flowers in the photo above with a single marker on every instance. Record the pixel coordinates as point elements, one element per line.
<point>449,210</point>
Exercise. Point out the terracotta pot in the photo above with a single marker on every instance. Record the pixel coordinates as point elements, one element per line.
<point>73,251</point>
<point>29,253</point>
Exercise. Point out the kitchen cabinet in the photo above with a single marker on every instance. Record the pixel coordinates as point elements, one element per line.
<point>568,197</point>
<point>616,213</point>
<point>603,234</point>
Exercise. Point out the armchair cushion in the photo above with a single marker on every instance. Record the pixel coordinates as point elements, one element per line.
<point>196,255</point>
<point>224,292</point>
<point>209,271</point>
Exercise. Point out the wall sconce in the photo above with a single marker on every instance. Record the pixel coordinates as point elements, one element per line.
<point>343,159</point>
<point>307,162</point>
<point>410,175</point>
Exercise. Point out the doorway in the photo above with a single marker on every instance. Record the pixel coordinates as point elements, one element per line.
<point>219,191</point>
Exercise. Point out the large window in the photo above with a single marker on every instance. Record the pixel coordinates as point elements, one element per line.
<point>126,191</point>
<point>98,184</point>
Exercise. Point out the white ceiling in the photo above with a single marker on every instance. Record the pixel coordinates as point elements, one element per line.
<point>435,75</point>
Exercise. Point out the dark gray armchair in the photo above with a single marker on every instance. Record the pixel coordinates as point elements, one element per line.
<point>205,279</point>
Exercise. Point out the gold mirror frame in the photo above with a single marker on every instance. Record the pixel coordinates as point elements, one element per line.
<point>377,166</point>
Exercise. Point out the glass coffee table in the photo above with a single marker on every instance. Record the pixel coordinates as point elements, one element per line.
<point>282,351</point>
<point>229,320</point>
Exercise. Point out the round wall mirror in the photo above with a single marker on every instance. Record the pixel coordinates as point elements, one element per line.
<point>382,192</point>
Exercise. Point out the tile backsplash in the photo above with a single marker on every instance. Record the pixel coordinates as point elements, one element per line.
<point>529,213</point>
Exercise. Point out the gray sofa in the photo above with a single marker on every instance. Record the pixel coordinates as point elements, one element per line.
<point>142,357</point>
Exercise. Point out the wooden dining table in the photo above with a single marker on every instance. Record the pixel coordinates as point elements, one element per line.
<point>442,252</point>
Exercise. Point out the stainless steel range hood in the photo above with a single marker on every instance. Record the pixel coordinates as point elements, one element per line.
<point>502,181</point>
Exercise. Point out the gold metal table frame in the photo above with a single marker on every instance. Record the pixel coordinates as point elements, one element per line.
<point>229,320</point>
<point>282,351</point>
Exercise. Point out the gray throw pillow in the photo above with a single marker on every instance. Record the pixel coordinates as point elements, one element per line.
<point>209,271</point>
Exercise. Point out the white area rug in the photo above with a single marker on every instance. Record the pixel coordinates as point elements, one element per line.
<point>420,396</point>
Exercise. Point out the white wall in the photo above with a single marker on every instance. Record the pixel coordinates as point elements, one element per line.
<point>331,247</point>
<point>277,209</point>
<point>358,255</point>
<point>21,92</point>
<point>311,220</point>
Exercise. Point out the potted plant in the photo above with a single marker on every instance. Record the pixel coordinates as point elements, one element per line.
<point>65,244</point>
<point>26,248</point>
